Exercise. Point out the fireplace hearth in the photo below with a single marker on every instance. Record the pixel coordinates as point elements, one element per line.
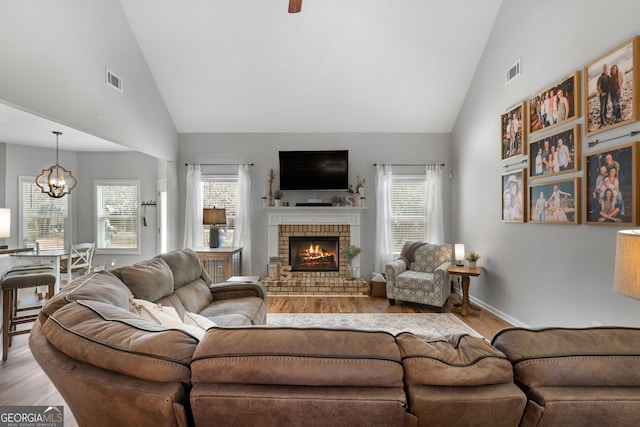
<point>314,253</point>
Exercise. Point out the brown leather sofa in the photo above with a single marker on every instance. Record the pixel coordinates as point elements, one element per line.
<point>576,377</point>
<point>114,367</point>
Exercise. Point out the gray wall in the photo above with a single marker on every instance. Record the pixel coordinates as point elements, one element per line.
<point>262,149</point>
<point>537,274</point>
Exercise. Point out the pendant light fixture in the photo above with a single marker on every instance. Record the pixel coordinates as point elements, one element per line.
<point>56,181</point>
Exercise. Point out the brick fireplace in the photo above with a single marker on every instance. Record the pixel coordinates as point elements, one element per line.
<point>322,229</point>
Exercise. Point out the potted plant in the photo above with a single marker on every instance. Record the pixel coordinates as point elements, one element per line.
<point>350,252</point>
<point>277,197</point>
<point>472,257</point>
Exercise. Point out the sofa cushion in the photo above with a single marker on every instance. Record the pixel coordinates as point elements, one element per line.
<point>298,356</point>
<point>194,296</point>
<point>589,357</point>
<point>149,280</point>
<point>100,286</point>
<point>198,321</point>
<point>251,307</point>
<point>455,360</point>
<point>186,267</point>
<point>113,338</point>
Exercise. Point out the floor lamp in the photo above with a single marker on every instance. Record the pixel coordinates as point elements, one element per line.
<point>214,217</point>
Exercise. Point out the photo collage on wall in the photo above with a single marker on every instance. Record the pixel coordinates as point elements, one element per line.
<point>547,128</point>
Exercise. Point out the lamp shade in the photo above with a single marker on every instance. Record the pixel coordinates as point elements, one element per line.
<point>214,216</point>
<point>5,223</point>
<point>458,250</point>
<point>626,274</point>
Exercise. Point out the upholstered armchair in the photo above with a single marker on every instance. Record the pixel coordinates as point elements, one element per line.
<point>420,274</point>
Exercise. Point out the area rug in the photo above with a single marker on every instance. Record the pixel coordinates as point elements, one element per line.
<point>428,325</point>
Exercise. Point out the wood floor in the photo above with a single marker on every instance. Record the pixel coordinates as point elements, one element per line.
<point>22,382</point>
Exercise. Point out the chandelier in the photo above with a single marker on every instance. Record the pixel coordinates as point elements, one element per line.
<point>56,181</point>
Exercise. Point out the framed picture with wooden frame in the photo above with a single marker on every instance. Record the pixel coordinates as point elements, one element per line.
<point>611,88</point>
<point>556,104</point>
<point>513,132</point>
<point>611,188</point>
<point>555,202</point>
<point>514,203</point>
<point>555,154</point>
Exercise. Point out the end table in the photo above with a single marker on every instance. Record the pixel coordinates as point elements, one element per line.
<point>466,273</point>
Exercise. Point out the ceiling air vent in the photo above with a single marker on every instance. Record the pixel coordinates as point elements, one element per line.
<point>113,80</point>
<point>513,71</point>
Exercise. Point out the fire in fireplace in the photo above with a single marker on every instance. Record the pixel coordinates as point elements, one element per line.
<point>319,253</point>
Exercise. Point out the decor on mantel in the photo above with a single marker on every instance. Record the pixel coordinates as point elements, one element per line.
<point>357,191</point>
<point>277,197</point>
<point>350,252</point>
<point>213,217</point>
<point>56,181</point>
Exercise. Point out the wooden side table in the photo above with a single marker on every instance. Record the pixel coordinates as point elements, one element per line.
<point>221,263</point>
<point>466,273</point>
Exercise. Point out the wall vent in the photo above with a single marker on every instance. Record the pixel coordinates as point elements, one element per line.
<point>513,71</point>
<point>113,80</point>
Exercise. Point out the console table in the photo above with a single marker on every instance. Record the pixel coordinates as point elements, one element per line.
<point>221,263</point>
<point>465,272</point>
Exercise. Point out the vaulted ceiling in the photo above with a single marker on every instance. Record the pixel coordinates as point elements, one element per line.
<point>337,66</point>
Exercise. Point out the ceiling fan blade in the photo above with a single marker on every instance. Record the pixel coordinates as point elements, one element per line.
<point>295,6</point>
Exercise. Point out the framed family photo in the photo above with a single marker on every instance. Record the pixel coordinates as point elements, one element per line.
<point>555,154</point>
<point>556,202</point>
<point>611,85</point>
<point>513,197</point>
<point>611,190</point>
<point>513,132</point>
<point>556,104</point>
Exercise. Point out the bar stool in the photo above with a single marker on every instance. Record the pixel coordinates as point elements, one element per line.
<point>20,277</point>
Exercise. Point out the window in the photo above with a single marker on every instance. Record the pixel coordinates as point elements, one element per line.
<point>117,216</point>
<point>408,210</point>
<point>221,191</point>
<point>43,219</point>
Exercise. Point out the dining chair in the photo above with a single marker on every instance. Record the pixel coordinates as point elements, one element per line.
<point>78,261</point>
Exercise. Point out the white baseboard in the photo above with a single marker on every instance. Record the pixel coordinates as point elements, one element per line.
<point>498,313</point>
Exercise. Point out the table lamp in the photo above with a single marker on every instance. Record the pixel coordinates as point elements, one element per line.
<point>213,217</point>
<point>626,273</point>
<point>5,225</point>
<point>458,250</point>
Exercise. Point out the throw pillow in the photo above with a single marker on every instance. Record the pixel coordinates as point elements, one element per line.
<point>165,316</point>
<point>198,320</point>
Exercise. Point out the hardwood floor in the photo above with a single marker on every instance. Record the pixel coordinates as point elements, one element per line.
<point>22,382</point>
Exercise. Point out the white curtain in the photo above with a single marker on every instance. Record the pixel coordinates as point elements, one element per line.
<point>193,231</point>
<point>242,231</point>
<point>435,215</point>
<point>382,250</point>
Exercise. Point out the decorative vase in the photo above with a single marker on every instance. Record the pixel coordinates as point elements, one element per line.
<point>349,272</point>
<point>357,199</point>
<point>473,264</point>
<point>277,202</point>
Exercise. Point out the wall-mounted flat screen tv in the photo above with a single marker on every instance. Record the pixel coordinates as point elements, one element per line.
<point>314,170</point>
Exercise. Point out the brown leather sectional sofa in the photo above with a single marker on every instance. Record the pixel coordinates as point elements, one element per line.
<point>114,367</point>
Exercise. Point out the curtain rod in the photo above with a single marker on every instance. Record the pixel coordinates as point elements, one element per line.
<point>409,164</point>
<point>220,164</point>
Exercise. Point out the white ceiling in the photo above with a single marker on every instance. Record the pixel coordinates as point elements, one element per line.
<point>24,128</point>
<point>338,66</point>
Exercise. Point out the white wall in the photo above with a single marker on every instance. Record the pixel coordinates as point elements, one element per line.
<point>538,274</point>
<point>54,55</point>
<point>262,149</point>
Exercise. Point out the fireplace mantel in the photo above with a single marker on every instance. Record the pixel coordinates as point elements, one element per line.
<point>313,215</point>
